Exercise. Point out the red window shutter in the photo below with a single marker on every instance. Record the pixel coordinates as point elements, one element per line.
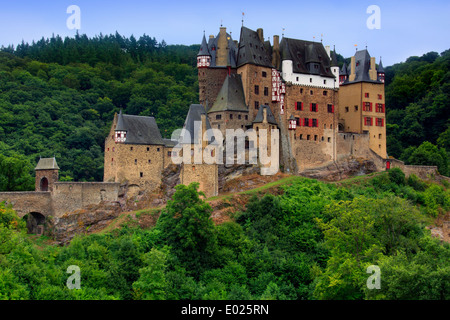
<point>301,106</point>
<point>310,107</point>
<point>382,122</point>
<point>332,108</point>
<point>383,108</point>
<point>296,106</point>
<point>310,123</point>
<point>370,106</point>
<point>304,122</point>
<point>317,123</point>
<point>371,121</point>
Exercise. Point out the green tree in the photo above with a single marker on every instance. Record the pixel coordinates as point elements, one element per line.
<point>15,174</point>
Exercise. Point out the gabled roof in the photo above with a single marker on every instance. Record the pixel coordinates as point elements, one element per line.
<point>302,52</point>
<point>204,51</point>
<point>47,164</point>
<point>140,129</point>
<point>194,114</point>
<point>362,67</point>
<point>252,50</point>
<point>260,116</point>
<point>231,95</point>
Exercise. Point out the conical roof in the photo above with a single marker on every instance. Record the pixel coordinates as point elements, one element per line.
<point>204,48</point>
<point>344,70</point>
<point>260,116</point>
<point>334,62</point>
<point>380,67</point>
<point>120,125</point>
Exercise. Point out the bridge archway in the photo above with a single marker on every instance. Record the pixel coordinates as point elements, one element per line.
<point>43,185</point>
<point>35,222</point>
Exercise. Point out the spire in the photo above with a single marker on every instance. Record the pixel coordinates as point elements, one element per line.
<point>344,70</point>
<point>120,125</point>
<point>204,47</point>
<point>380,67</point>
<point>334,62</point>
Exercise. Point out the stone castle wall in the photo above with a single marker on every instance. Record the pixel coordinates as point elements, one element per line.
<point>26,202</point>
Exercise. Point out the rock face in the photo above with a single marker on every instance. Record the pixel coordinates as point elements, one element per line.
<point>341,170</point>
<point>87,220</point>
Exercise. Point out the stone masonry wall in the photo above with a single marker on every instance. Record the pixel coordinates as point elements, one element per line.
<point>26,202</point>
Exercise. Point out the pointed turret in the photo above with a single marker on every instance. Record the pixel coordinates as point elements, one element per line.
<point>203,56</point>
<point>334,61</point>
<point>343,74</point>
<point>120,131</point>
<point>380,72</point>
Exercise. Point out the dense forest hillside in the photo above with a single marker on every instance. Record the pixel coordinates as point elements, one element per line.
<point>58,97</point>
<point>312,240</point>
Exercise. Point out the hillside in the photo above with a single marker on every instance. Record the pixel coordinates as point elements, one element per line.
<point>296,238</point>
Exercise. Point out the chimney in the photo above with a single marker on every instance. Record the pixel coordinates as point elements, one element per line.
<point>373,70</point>
<point>211,36</point>
<point>352,69</point>
<point>264,115</point>
<point>327,49</point>
<point>203,118</point>
<point>260,34</point>
<point>276,52</point>
<point>222,45</point>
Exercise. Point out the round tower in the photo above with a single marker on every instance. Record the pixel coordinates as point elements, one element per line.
<point>203,56</point>
<point>120,133</point>
<point>380,72</point>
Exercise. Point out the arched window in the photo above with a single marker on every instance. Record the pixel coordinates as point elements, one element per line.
<point>44,184</point>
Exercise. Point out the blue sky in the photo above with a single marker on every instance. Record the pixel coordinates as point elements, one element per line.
<point>407,27</point>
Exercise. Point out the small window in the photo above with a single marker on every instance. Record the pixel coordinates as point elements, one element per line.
<point>308,137</point>
<point>141,174</point>
<point>313,107</point>
<point>246,117</point>
<point>329,139</point>
<point>311,92</point>
<point>108,149</point>
<point>218,116</point>
<point>379,136</point>
<point>257,105</point>
<point>148,148</point>
<point>158,149</point>
<point>325,92</point>
<point>301,90</point>
<point>346,109</point>
<point>256,89</point>
<point>380,97</point>
<point>231,116</point>
<point>169,153</point>
<point>366,95</point>
<point>324,82</point>
<point>131,148</point>
<point>315,137</point>
<point>356,108</point>
<point>301,136</point>
<point>266,91</point>
<point>310,79</point>
<point>135,161</point>
<point>149,161</point>
<point>264,74</point>
<point>296,79</point>
<point>239,116</point>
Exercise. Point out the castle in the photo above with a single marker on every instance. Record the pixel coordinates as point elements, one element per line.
<point>323,114</point>
<point>316,116</point>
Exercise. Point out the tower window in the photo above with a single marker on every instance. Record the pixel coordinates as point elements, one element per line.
<point>141,174</point>
<point>266,91</point>
<point>264,74</point>
<point>135,161</point>
<point>218,116</point>
<point>148,148</point>
<point>231,116</point>
<point>366,94</point>
<point>256,89</point>
<point>325,92</point>
<point>157,149</point>
<point>257,105</point>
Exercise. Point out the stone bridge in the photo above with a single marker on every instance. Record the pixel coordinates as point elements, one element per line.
<point>34,206</point>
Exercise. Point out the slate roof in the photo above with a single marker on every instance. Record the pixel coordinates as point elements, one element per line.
<point>252,50</point>
<point>231,95</point>
<point>380,68</point>
<point>344,70</point>
<point>334,61</point>
<point>260,117</point>
<point>47,164</point>
<point>302,52</point>
<point>194,114</point>
<point>362,67</point>
<point>204,51</point>
<point>140,129</point>
<point>170,143</point>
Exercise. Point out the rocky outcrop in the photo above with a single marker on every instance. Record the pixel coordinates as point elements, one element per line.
<point>341,170</point>
<point>88,220</point>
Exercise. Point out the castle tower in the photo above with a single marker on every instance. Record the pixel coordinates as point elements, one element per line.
<point>47,173</point>
<point>215,60</point>
<point>362,101</point>
<point>343,74</point>
<point>120,132</point>
<point>335,67</point>
<point>194,151</point>
<point>203,56</point>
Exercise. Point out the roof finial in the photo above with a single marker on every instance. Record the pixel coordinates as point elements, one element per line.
<point>283,33</point>
<point>243,14</point>
<point>221,23</point>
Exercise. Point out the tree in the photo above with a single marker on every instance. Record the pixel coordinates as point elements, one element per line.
<point>187,227</point>
<point>15,174</point>
<point>430,155</point>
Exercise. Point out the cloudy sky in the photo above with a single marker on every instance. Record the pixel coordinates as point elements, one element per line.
<point>407,28</point>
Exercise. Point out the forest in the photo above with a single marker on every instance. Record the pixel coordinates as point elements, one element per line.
<point>58,98</point>
<point>314,241</point>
